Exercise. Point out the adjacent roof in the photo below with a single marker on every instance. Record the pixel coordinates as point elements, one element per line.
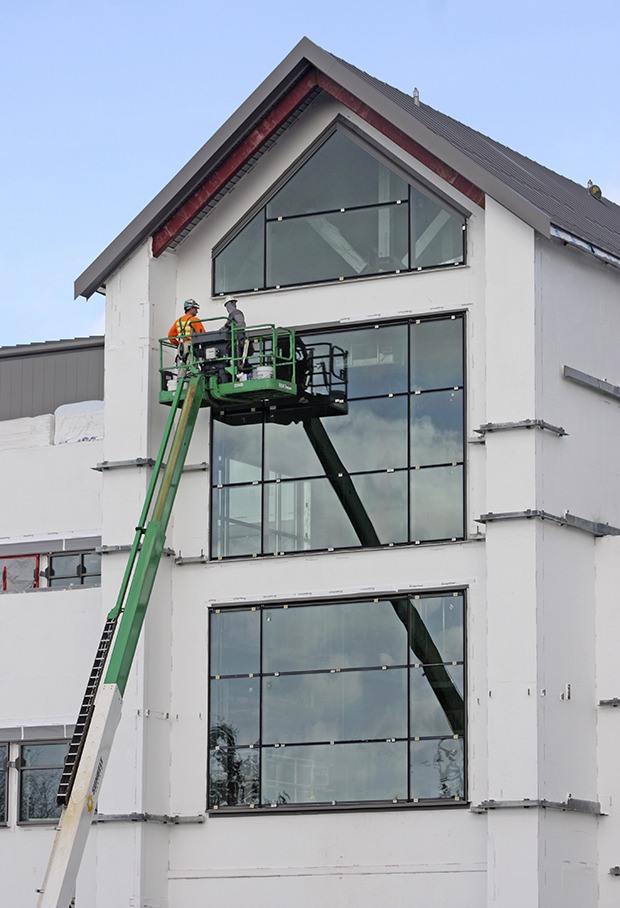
<point>478,165</point>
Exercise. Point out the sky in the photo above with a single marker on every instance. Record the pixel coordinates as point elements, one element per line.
<point>103,102</point>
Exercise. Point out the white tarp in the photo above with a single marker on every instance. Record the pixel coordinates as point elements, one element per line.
<point>79,422</point>
<point>27,432</point>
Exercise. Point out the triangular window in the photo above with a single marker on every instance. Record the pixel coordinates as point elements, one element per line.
<point>343,214</point>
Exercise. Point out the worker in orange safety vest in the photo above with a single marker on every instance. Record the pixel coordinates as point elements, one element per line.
<point>187,325</point>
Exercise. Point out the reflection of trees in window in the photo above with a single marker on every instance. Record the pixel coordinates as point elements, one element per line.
<point>40,768</point>
<point>344,213</point>
<point>388,471</point>
<point>357,700</point>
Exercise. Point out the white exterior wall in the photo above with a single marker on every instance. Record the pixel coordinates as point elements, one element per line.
<point>49,636</point>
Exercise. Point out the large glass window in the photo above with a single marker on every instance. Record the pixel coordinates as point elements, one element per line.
<point>40,769</point>
<point>387,471</point>
<point>74,569</point>
<point>335,702</point>
<point>343,214</point>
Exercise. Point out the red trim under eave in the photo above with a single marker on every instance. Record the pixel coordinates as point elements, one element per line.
<point>272,122</point>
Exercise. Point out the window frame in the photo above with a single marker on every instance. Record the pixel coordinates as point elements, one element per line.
<point>4,772</point>
<point>414,180</point>
<point>410,802</point>
<point>21,769</point>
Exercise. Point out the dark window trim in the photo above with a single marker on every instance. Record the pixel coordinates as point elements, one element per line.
<point>35,821</point>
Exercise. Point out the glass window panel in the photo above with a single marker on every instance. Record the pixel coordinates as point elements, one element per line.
<point>340,174</point>
<point>43,754</point>
<point>305,515</point>
<point>333,635</point>
<point>240,265</point>
<point>437,354</point>
<point>288,452</point>
<point>437,428</point>
<point>18,574</point>
<point>92,563</point>
<point>38,794</point>
<point>235,641</point>
<point>335,706</point>
<point>329,246</point>
<point>437,236</point>
<point>65,565</point>
<point>373,434</point>
<point>236,453</point>
<point>91,580</point>
<point>443,617</point>
<point>341,772</point>
<point>437,769</point>
<point>236,520</point>
<point>428,716</point>
<point>233,777</point>
<point>437,503</point>
<point>377,358</point>
<point>234,710</point>
<point>40,772</point>
<point>383,497</point>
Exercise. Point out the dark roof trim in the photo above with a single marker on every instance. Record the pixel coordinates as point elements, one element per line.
<point>339,76</point>
<point>59,346</point>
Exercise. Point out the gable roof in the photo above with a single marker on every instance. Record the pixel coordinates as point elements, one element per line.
<point>472,162</point>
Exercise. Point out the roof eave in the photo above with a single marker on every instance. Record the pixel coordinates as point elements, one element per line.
<point>304,55</point>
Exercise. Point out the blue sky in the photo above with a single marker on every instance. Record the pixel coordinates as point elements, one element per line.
<point>103,101</point>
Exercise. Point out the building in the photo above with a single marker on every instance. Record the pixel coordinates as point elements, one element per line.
<point>385,676</point>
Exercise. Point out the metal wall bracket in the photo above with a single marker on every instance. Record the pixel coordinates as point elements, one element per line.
<point>589,381</point>
<point>147,818</point>
<point>614,871</point>
<point>191,559</point>
<point>615,701</point>
<point>118,464</point>
<point>521,424</point>
<point>571,804</point>
<point>570,520</point>
<point>111,549</point>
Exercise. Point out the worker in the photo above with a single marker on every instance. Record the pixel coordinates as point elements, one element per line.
<point>187,325</point>
<point>242,347</point>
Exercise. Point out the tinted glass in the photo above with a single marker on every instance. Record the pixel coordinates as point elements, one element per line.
<point>330,246</point>
<point>240,265</point>
<point>305,515</point>
<point>236,521</point>
<point>443,618</point>
<point>334,635</point>
<point>92,563</point>
<point>233,776</point>
<point>373,434</point>
<point>437,236</point>
<point>235,639</point>
<point>340,174</point>
<point>437,354</point>
<point>437,769</point>
<point>234,710</point>
<point>383,497</point>
<point>39,777</point>
<point>335,706</point>
<point>437,428</point>
<point>437,503</point>
<point>236,453</point>
<point>428,717</point>
<point>342,772</point>
<point>65,565</point>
